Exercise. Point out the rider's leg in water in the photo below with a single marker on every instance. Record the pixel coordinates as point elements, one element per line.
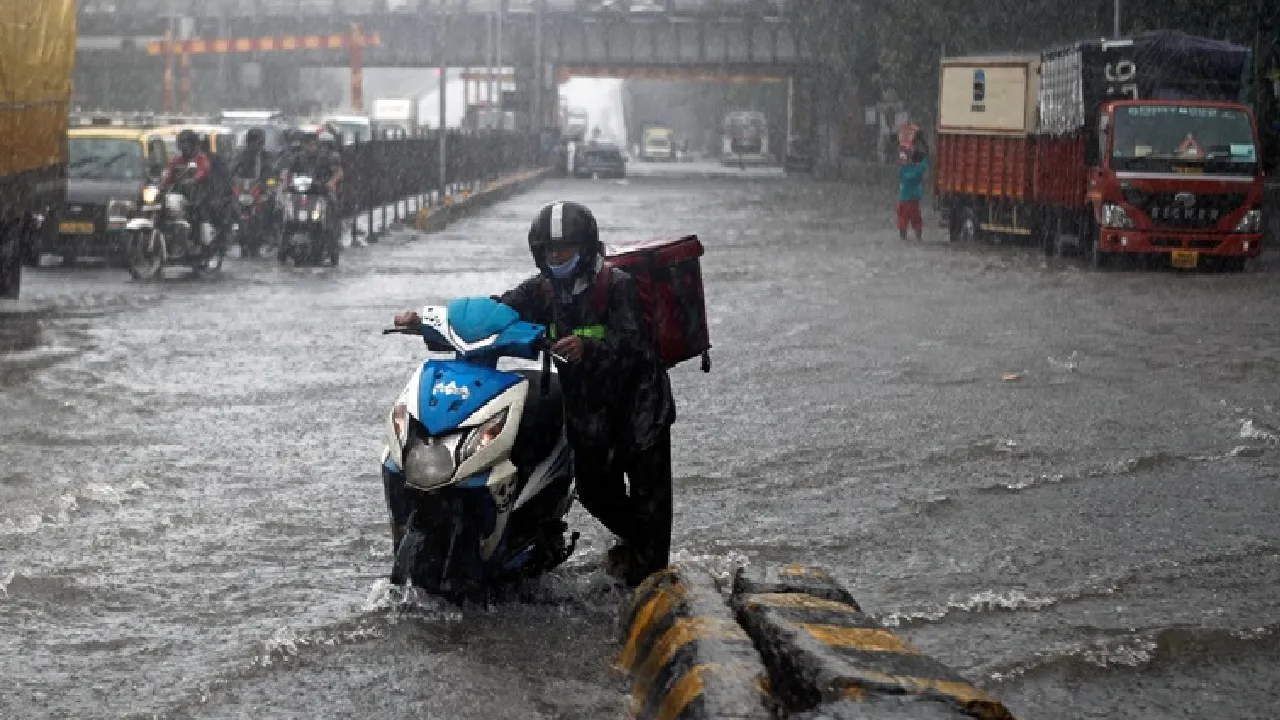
<point>642,521</point>
<point>649,474</point>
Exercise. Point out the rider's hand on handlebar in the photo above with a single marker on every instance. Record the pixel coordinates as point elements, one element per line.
<point>408,318</point>
<point>569,348</point>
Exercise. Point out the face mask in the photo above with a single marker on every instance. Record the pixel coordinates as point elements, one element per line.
<point>564,269</point>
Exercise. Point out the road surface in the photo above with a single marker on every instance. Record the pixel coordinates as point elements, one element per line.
<point>1061,482</point>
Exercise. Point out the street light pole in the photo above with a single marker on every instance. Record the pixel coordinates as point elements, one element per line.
<point>444,87</point>
<point>1115,20</point>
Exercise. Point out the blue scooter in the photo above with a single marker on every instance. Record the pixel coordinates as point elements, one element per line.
<point>477,468</point>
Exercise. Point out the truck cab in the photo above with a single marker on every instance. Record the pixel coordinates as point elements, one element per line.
<point>1178,177</point>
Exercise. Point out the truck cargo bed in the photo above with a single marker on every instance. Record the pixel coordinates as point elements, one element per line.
<point>992,166</point>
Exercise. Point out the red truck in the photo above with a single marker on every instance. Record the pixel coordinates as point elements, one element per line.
<point>1131,147</point>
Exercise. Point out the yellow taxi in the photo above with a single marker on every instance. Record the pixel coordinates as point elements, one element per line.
<point>108,166</point>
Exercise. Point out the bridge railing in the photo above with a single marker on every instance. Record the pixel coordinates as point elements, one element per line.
<point>386,171</point>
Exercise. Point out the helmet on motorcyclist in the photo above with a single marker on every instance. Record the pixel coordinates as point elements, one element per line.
<point>564,240</point>
<point>188,142</point>
<point>255,138</point>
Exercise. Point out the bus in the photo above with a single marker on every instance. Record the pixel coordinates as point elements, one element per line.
<point>745,138</point>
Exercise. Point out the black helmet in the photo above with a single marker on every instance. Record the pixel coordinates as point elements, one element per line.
<point>565,224</point>
<point>255,137</point>
<point>188,140</point>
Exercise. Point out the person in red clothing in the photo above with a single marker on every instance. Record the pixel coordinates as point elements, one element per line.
<point>188,152</point>
<point>202,199</point>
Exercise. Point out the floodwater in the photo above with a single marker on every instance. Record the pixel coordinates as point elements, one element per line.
<point>1061,482</point>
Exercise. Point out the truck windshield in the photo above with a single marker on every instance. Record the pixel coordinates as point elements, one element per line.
<point>1182,138</point>
<point>104,159</point>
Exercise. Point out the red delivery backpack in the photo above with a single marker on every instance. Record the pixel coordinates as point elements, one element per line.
<point>668,273</point>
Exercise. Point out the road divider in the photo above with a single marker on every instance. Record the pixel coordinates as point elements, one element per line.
<point>784,641</point>
<point>686,656</point>
<point>434,218</point>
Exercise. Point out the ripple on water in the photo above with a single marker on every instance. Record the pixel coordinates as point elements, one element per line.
<point>1138,649</point>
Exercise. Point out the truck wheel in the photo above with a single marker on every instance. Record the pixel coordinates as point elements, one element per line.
<point>1098,258</point>
<point>1049,230</point>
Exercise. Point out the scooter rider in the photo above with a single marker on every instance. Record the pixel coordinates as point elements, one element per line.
<point>254,162</point>
<point>618,403</point>
<point>203,198</point>
<point>322,165</point>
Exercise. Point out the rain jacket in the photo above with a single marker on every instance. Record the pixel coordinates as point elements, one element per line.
<point>618,395</point>
<point>911,180</point>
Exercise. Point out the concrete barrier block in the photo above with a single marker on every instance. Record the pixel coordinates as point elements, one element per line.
<point>888,707</point>
<point>820,650</point>
<point>790,579</point>
<point>685,655</point>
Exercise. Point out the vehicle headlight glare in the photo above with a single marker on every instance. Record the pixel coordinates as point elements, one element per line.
<point>1114,216</point>
<point>483,436</point>
<point>1251,222</point>
<point>150,194</point>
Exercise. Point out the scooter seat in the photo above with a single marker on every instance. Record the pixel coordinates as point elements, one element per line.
<point>541,422</point>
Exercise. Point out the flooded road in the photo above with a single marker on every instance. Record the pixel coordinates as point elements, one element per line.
<point>1063,483</point>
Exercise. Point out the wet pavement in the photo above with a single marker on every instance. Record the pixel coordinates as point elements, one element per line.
<point>1062,482</point>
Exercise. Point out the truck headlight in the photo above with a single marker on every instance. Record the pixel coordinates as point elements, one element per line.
<point>1114,216</point>
<point>1251,222</point>
<point>483,436</point>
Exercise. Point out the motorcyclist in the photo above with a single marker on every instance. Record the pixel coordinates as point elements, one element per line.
<point>618,403</point>
<point>254,162</point>
<point>204,197</point>
<point>322,165</point>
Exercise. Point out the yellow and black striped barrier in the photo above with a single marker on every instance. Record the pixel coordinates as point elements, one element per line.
<point>686,656</point>
<point>822,651</point>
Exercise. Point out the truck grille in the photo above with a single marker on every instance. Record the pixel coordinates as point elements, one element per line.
<point>1167,209</point>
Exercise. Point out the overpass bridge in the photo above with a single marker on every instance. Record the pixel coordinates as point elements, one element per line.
<point>546,41</point>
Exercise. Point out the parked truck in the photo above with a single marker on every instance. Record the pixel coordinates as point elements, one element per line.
<point>37,55</point>
<point>1137,146</point>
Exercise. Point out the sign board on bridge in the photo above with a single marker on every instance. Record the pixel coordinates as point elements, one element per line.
<point>393,109</point>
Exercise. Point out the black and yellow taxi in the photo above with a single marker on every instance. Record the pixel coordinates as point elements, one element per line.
<point>108,166</point>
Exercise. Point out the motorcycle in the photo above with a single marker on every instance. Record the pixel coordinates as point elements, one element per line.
<point>307,235</point>
<point>162,232</point>
<point>254,225</point>
<point>477,469</point>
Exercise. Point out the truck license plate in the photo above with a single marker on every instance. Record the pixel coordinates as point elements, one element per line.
<point>1185,259</point>
<point>75,228</point>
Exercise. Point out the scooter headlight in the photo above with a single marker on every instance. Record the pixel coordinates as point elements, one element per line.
<point>428,464</point>
<point>483,436</point>
<point>150,194</point>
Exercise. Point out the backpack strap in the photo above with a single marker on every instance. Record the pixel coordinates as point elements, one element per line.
<point>599,301</point>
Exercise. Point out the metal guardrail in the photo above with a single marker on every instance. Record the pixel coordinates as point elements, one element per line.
<point>381,173</point>
<point>323,8</point>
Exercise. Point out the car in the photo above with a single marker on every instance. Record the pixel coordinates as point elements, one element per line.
<point>600,161</point>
